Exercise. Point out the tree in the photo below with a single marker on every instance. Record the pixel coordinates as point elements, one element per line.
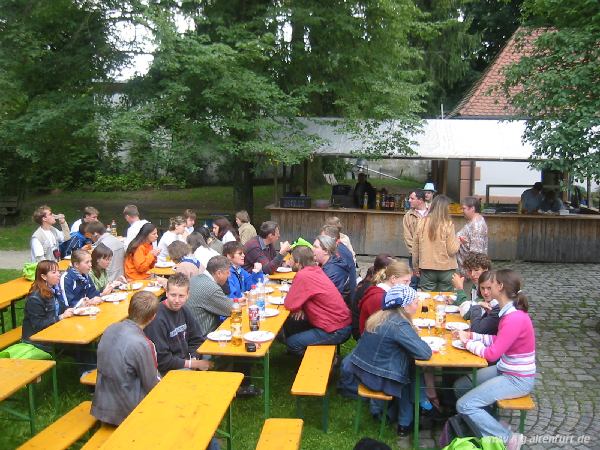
<point>556,85</point>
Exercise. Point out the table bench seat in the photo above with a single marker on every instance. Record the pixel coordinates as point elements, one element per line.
<point>365,392</point>
<point>89,378</point>
<point>65,431</point>
<point>280,434</point>
<point>10,337</point>
<point>99,438</point>
<point>313,376</point>
<point>522,404</point>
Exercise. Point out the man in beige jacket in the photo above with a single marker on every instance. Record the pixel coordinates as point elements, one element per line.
<point>417,211</point>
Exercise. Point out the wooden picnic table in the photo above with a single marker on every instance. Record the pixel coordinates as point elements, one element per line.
<point>18,373</point>
<point>162,271</point>
<point>282,276</point>
<point>182,412</point>
<point>84,330</point>
<point>273,324</point>
<point>448,357</point>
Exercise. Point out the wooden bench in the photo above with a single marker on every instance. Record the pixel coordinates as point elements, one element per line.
<point>313,377</point>
<point>280,434</point>
<point>65,431</point>
<point>89,378</point>
<point>9,206</point>
<point>522,404</point>
<point>99,437</point>
<point>10,337</point>
<point>365,392</point>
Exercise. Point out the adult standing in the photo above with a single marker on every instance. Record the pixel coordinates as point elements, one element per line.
<point>45,240</point>
<point>362,188</point>
<point>90,214</point>
<point>261,249</point>
<point>418,210</point>
<point>429,190</point>
<point>435,247</point>
<point>531,199</point>
<point>132,216</point>
<point>473,236</point>
<point>245,228</point>
<point>99,235</point>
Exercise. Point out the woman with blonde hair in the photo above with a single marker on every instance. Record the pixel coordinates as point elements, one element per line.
<point>435,247</point>
<point>397,272</point>
<point>176,232</point>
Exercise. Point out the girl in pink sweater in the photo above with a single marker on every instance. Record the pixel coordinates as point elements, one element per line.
<point>513,352</point>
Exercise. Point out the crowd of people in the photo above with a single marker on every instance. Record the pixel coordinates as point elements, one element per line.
<point>328,303</point>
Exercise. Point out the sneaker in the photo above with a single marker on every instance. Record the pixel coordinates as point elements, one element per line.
<point>249,391</point>
<point>403,431</point>
<point>515,442</point>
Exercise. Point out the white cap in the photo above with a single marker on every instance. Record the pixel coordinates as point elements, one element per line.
<point>429,187</point>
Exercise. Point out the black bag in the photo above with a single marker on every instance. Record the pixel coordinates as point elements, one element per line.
<point>455,426</point>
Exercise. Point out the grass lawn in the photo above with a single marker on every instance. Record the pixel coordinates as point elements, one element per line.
<point>158,206</point>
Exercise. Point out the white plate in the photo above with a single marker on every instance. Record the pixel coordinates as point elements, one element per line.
<point>451,309</point>
<point>271,312</point>
<point>423,323</point>
<point>457,343</point>
<point>219,335</point>
<point>259,336</point>
<point>423,295</point>
<point>164,264</point>
<point>275,300</point>
<point>284,269</point>
<point>434,342</point>
<point>284,288</point>
<point>67,257</point>
<point>152,288</point>
<point>268,290</point>
<point>86,311</point>
<point>116,297</point>
<point>455,326</point>
<point>452,297</point>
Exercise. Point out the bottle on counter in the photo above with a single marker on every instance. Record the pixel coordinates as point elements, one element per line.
<point>378,200</point>
<point>113,228</point>
<point>236,323</point>
<point>365,201</point>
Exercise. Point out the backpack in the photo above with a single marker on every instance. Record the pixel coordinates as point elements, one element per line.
<point>23,350</point>
<point>473,443</point>
<point>29,270</point>
<point>455,427</point>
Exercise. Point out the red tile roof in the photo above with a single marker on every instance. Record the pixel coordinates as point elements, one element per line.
<point>485,101</point>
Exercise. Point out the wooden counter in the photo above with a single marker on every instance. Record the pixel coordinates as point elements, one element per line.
<point>542,238</point>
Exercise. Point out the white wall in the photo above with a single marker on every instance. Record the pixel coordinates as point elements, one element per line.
<point>505,172</point>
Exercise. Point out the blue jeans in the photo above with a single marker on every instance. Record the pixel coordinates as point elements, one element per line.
<point>348,383</point>
<point>414,280</point>
<point>213,445</point>
<point>298,342</point>
<point>492,386</point>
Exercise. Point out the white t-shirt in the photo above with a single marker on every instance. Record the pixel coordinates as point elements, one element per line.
<point>133,231</point>
<point>167,239</point>
<point>203,254</point>
<point>76,225</point>
<point>228,237</point>
<point>37,249</point>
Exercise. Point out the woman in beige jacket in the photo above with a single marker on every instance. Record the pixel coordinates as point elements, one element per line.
<point>245,229</point>
<point>435,247</point>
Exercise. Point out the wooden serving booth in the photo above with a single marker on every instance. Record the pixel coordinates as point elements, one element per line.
<point>570,238</point>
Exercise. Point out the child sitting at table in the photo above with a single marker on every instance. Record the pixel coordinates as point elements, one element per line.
<point>174,331</point>
<point>484,314</point>
<point>185,261</point>
<point>239,280</point>
<point>140,255</point>
<point>127,368</point>
<point>79,239</point>
<point>101,259</point>
<point>44,305</point>
<point>76,284</point>
<point>513,352</point>
<point>475,264</point>
<point>383,357</point>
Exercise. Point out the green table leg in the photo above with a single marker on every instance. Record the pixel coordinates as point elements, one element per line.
<point>31,408</point>
<point>299,412</point>
<point>55,389</point>
<point>325,411</point>
<point>266,370</point>
<point>474,377</point>
<point>357,416</point>
<point>417,403</point>
<point>383,418</point>
<point>229,429</point>
<point>13,314</point>
<point>2,320</point>
<point>522,421</point>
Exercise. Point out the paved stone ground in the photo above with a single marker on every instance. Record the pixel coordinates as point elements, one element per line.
<point>564,301</point>
<point>14,259</point>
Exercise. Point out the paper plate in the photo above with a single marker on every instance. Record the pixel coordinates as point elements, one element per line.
<point>67,257</point>
<point>116,297</point>
<point>284,288</point>
<point>259,336</point>
<point>423,323</point>
<point>271,312</point>
<point>86,311</point>
<point>219,335</point>
<point>451,309</point>
<point>275,300</point>
<point>164,264</point>
<point>268,290</point>
<point>457,326</point>
<point>152,288</point>
<point>457,343</point>
<point>284,269</point>
<point>423,295</point>
<point>434,342</point>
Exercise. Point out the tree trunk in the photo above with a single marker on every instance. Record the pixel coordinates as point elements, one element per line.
<point>243,186</point>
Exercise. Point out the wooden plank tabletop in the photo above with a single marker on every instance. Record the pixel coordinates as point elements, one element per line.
<point>182,412</point>
<point>13,290</point>
<point>86,329</point>
<point>64,264</point>
<point>162,271</point>
<point>313,374</point>
<point>18,373</point>
<point>283,276</point>
<point>280,434</point>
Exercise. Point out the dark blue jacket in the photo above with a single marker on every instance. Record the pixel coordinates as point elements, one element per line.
<point>39,314</point>
<point>77,241</point>
<point>389,351</point>
<point>346,256</point>
<point>338,272</point>
<point>75,286</point>
<point>241,281</point>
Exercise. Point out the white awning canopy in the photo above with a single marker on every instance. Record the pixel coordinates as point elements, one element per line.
<point>440,139</point>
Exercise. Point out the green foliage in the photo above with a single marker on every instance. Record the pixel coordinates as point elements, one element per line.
<point>557,86</point>
<point>132,181</point>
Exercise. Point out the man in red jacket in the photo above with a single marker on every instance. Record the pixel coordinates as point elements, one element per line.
<point>315,299</point>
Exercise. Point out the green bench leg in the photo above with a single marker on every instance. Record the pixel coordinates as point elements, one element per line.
<point>417,406</point>
<point>357,415</point>
<point>522,421</point>
<point>31,408</point>
<point>299,408</point>
<point>267,394</point>
<point>325,412</point>
<point>383,418</point>
<point>229,429</point>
